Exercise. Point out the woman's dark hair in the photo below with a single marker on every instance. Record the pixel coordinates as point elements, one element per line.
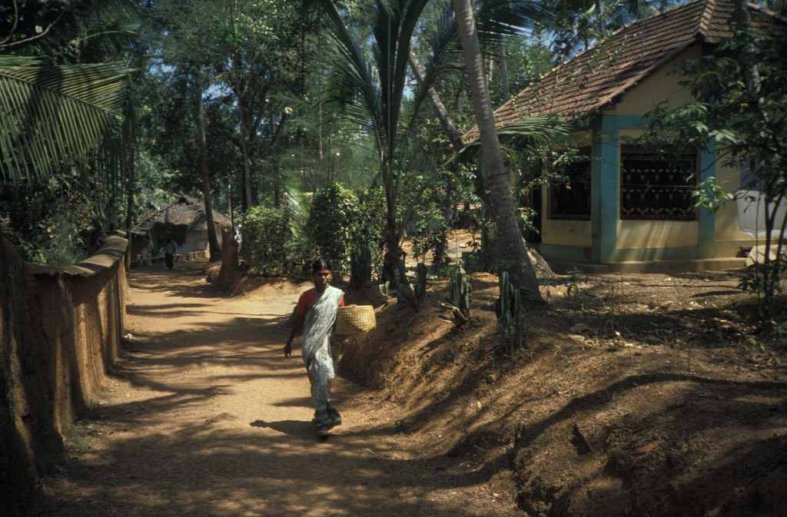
<point>320,264</point>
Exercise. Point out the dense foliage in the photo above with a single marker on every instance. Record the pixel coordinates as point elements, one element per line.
<point>272,243</point>
<point>334,214</point>
<point>254,103</point>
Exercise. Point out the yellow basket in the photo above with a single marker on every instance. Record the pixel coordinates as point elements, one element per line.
<point>355,319</point>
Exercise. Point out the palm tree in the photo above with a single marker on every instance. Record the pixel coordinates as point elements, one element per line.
<point>373,93</point>
<point>56,113</point>
<point>511,252</point>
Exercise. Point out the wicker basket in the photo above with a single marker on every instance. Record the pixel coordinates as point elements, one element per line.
<point>355,319</point>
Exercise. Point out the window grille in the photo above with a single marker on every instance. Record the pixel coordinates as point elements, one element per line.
<point>656,186</point>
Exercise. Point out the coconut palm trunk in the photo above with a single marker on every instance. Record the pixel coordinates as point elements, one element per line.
<point>391,235</point>
<point>510,252</point>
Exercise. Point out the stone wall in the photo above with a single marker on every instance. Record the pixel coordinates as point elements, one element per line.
<point>60,334</point>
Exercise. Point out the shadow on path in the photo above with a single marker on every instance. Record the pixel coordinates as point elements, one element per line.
<point>207,418</point>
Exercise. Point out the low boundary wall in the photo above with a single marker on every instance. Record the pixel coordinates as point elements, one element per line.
<point>60,334</point>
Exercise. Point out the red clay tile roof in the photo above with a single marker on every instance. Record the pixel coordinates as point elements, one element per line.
<point>601,74</point>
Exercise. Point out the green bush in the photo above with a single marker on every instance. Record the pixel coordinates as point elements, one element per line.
<point>59,222</point>
<point>272,243</point>
<point>366,234</point>
<point>425,208</point>
<point>334,214</point>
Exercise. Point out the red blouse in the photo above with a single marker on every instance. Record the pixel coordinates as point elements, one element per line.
<point>307,299</point>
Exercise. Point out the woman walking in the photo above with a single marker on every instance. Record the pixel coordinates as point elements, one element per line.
<point>315,315</point>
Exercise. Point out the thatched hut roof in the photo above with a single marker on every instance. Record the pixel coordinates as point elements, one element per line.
<point>187,211</point>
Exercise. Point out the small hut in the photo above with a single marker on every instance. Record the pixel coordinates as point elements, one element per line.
<point>185,221</point>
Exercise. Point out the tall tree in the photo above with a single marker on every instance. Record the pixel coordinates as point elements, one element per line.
<point>511,253</point>
<point>188,43</point>
<point>202,145</point>
<point>257,59</point>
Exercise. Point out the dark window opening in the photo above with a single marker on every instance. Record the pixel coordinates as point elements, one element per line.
<point>569,197</point>
<point>655,186</point>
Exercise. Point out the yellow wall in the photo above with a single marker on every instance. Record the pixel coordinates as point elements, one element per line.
<point>654,234</point>
<point>657,234</point>
<point>727,226</point>
<point>662,85</point>
<point>565,232</point>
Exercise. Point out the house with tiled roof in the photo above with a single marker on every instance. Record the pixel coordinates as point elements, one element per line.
<point>626,207</point>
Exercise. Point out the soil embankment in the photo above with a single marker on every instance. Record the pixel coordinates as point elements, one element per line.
<point>636,395</point>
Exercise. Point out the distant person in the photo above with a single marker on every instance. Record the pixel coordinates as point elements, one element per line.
<point>238,238</point>
<point>169,253</point>
<point>315,315</point>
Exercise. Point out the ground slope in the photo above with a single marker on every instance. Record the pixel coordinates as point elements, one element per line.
<point>637,395</point>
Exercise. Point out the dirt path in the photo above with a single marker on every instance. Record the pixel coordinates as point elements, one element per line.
<point>207,418</point>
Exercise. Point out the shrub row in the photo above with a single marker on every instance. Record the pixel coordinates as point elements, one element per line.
<point>341,226</point>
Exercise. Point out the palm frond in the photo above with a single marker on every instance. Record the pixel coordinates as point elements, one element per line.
<point>445,55</point>
<point>406,23</point>
<point>548,130</point>
<point>50,114</point>
<point>296,207</point>
<point>356,93</point>
<point>105,29</point>
<point>537,130</point>
<point>495,19</point>
<point>355,86</point>
<point>500,18</point>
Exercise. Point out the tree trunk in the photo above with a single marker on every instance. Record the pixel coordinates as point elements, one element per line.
<point>393,254</point>
<point>230,204</point>
<point>320,152</point>
<point>245,139</point>
<point>130,141</point>
<point>229,261</point>
<point>129,164</point>
<point>213,241</point>
<point>511,253</point>
<point>278,188</point>
<point>442,113</point>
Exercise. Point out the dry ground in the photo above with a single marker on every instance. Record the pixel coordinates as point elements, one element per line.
<point>636,395</point>
<point>206,417</point>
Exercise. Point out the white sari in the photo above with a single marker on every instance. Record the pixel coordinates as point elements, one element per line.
<point>317,347</point>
